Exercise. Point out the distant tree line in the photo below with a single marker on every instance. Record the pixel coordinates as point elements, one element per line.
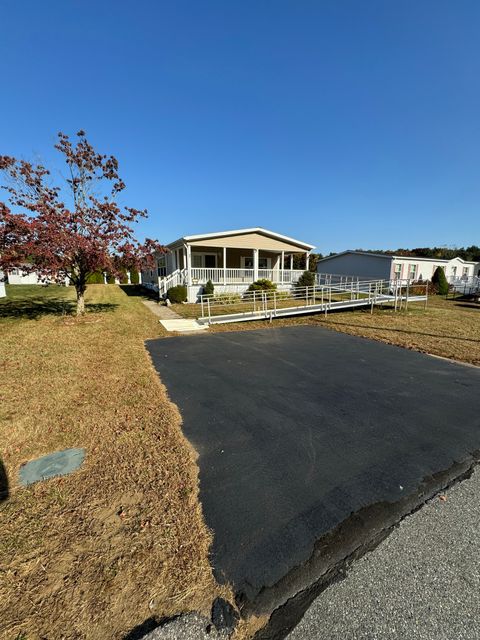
<point>299,261</point>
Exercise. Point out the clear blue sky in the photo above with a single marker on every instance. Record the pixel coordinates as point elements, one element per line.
<point>346,124</point>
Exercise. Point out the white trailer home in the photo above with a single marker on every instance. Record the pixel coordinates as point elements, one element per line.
<point>389,267</point>
<point>17,276</point>
<point>232,260</point>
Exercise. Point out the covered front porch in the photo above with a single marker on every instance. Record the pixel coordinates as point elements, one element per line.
<point>231,265</point>
<point>232,260</point>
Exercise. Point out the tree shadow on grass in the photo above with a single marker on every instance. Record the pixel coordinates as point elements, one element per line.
<point>4,492</point>
<point>466,305</point>
<point>100,307</point>
<point>32,309</point>
<point>139,291</point>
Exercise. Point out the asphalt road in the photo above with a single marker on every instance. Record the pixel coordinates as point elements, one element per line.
<point>300,429</point>
<point>421,583</point>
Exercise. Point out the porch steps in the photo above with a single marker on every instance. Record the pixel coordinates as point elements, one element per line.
<point>183,325</point>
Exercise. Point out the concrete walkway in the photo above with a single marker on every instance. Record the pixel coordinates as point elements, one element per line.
<point>173,322</point>
<point>183,325</point>
<point>160,310</point>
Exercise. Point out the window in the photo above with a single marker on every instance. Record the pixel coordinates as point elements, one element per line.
<point>210,261</point>
<point>263,263</point>
<point>397,270</point>
<point>465,273</point>
<point>204,260</point>
<point>162,266</point>
<point>454,271</point>
<point>412,271</point>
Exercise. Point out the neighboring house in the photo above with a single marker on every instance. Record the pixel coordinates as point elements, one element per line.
<point>3,293</point>
<point>17,276</point>
<point>389,267</point>
<point>232,260</point>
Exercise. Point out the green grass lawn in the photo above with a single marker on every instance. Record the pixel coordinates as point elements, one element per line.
<point>33,301</point>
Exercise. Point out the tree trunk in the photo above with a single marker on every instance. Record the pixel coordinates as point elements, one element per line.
<point>80,302</point>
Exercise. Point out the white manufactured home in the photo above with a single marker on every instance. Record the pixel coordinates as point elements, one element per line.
<point>18,276</point>
<point>232,260</point>
<point>389,267</point>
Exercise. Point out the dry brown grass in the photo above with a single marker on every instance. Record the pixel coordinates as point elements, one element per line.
<point>447,328</point>
<point>96,553</point>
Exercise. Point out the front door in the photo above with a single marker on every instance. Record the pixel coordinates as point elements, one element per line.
<point>204,260</point>
<point>210,261</point>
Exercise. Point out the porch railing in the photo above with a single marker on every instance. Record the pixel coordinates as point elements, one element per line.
<point>217,275</point>
<point>465,284</point>
<point>172,280</point>
<point>284,276</point>
<point>243,276</point>
<point>239,276</point>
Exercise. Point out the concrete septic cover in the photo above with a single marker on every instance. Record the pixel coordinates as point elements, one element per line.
<point>60,463</point>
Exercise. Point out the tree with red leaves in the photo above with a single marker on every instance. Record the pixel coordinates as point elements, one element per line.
<point>69,231</point>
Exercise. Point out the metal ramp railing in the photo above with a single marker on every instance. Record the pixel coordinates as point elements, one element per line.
<point>466,286</point>
<point>261,305</point>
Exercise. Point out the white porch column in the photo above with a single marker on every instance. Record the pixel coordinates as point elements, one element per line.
<point>224,265</point>
<point>255,264</point>
<point>139,277</point>
<point>291,262</point>
<point>189,265</point>
<point>307,261</point>
<point>282,266</point>
<point>129,278</point>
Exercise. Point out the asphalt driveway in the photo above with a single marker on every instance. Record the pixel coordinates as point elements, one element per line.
<point>311,443</point>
